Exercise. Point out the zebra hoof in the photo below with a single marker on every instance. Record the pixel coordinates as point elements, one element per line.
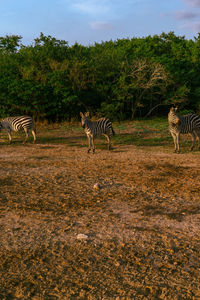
<point>93,151</point>
<point>176,151</point>
<point>88,151</point>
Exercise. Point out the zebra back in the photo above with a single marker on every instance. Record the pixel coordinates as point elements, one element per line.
<point>101,126</point>
<point>17,123</point>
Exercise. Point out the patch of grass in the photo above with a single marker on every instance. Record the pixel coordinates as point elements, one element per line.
<point>120,126</point>
<point>152,132</point>
<point>128,139</point>
<point>69,140</point>
<point>78,129</point>
<point>125,139</point>
<point>157,141</point>
<point>157,124</point>
<point>52,140</point>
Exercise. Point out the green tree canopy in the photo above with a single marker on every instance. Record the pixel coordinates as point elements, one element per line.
<point>122,79</point>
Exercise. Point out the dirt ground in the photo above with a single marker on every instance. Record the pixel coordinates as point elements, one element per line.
<point>133,235</point>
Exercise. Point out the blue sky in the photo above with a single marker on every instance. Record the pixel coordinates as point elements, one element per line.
<point>90,21</point>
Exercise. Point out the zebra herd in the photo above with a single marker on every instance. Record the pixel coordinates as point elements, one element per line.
<point>177,125</point>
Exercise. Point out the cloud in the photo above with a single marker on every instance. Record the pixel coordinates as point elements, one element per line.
<point>195,3</point>
<point>189,19</point>
<point>100,25</point>
<point>194,27</point>
<point>92,6</point>
<point>183,15</point>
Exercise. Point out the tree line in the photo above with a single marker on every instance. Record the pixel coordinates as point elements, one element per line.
<point>121,79</point>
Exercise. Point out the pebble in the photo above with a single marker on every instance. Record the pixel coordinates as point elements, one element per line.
<point>96,186</point>
<point>82,236</point>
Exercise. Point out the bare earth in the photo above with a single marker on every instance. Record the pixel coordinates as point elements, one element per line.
<point>135,236</point>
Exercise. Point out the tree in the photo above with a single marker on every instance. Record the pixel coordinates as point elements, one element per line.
<point>140,83</point>
<point>10,43</point>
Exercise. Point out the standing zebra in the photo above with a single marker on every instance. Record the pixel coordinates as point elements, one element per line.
<point>183,124</point>
<point>17,123</point>
<point>92,129</point>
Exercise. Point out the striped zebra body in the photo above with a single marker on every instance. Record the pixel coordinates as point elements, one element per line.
<point>183,124</point>
<point>96,128</point>
<point>18,123</point>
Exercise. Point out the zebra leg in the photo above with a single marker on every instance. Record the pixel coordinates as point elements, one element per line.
<point>93,145</point>
<point>178,143</point>
<point>198,138</point>
<point>109,141</point>
<point>89,142</point>
<point>175,142</point>
<point>34,135</point>
<point>26,138</point>
<point>193,140</point>
<point>10,137</point>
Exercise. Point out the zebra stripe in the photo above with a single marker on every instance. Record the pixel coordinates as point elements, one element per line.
<point>183,124</point>
<point>18,123</point>
<point>96,128</point>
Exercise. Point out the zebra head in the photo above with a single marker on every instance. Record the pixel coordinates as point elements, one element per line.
<point>173,118</point>
<point>84,119</point>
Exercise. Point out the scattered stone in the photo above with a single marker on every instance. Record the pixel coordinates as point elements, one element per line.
<point>82,236</point>
<point>96,186</point>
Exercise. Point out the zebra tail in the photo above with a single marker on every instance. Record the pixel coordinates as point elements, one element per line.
<point>113,132</point>
<point>34,128</point>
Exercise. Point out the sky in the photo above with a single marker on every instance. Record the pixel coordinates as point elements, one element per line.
<point>94,21</point>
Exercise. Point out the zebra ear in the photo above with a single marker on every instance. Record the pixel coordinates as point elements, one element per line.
<point>87,114</point>
<point>81,114</point>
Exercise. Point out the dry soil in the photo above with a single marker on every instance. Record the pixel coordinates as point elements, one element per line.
<point>133,235</point>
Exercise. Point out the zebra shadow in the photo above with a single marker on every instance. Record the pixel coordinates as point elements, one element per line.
<point>141,140</point>
<point>71,141</point>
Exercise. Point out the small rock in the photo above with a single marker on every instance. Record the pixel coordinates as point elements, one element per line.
<point>96,186</point>
<point>82,236</point>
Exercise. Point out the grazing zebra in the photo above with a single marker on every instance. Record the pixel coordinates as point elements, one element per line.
<point>17,123</point>
<point>183,124</point>
<point>92,129</point>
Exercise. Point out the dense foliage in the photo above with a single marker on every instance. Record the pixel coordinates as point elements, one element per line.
<point>121,79</point>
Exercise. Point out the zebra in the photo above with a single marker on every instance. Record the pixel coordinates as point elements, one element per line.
<point>96,128</point>
<point>17,123</point>
<point>183,124</point>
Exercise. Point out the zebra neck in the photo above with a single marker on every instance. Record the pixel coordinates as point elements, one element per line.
<point>88,123</point>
